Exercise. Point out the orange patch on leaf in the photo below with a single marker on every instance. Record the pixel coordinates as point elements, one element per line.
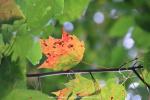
<point>62,52</point>
<point>62,94</point>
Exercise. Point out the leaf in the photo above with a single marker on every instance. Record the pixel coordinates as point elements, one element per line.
<point>11,75</point>
<point>82,86</point>
<point>18,41</point>
<point>93,97</point>
<point>9,10</point>
<point>21,47</point>
<point>113,91</point>
<point>78,87</point>
<point>35,54</point>
<point>25,94</point>
<point>147,61</point>
<point>1,47</point>
<point>39,12</point>
<point>85,89</point>
<point>142,42</point>
<point>118,55</point>
<point>73,9</point>
<point>62,94</point>
<point>62,53</point>
<point>146,75</point>
<point>121,26</point>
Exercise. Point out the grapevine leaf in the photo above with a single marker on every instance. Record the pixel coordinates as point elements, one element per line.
<point>62,53</point>
<point>72,9</point>
<point>9,10</point>
<point>35,53</point>
<point>25,94</point>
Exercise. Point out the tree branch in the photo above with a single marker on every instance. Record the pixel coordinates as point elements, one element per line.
<point>83,71</point>
<point>137,74</point>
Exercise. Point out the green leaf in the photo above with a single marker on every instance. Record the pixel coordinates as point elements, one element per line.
<point>1,47</point>
<point>141,38</point>
<point>39,12</point>
<point>73,9</point>
<point>81,85</point>
<point>146,75</point>
<point>35,53</point>
<point>9,11</point>
<point>92,97</point>
<point>113,91</point>
<point>117,56</point>
<point>143,21</point>
<point>25,94</point>
<point>21,47</point>
<point>11,75</point>
<point>147,60</point>
<point>121,26</point>
<point>1,40</point>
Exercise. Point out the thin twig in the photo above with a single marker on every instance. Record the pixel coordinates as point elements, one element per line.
<point>137,74</point>
<point>83,71</point>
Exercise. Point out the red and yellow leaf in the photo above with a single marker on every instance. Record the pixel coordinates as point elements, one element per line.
<point>62,94</point>
<point>62,53</point>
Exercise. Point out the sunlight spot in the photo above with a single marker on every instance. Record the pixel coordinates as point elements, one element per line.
<point>128,97</point>
<point>132,53</point>
<point>113,14</point>
<point>102,83</point>
<point>14,33</point>
<point>134,85</point>
<point>68,26</point>
<point>128,42</point>
<point>34,4</point>
<point>136,97</point>
<point>36,39</point>
<point>51,22</point>
<point>98,17</point>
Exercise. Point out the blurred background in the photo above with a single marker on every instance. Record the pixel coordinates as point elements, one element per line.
<point>114,32</point>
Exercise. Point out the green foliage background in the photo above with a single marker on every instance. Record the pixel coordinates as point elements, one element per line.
<point>23,22</point>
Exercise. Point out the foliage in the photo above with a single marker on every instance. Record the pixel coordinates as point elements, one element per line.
<point>62,53</point>
<point>86,89</point>
<point>26,24</point>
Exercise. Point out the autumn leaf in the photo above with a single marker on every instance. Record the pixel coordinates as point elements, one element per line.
<point>62,94</point>
<point>9,10</point>
<point>62,53</point>
<point>86,89</point>
<point>78,87</point>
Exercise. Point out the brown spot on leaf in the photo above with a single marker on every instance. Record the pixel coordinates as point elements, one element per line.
<point>70,46</point>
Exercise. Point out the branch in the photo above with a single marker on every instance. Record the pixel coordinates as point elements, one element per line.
<point>83,71</point>
<point>137,74</point>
